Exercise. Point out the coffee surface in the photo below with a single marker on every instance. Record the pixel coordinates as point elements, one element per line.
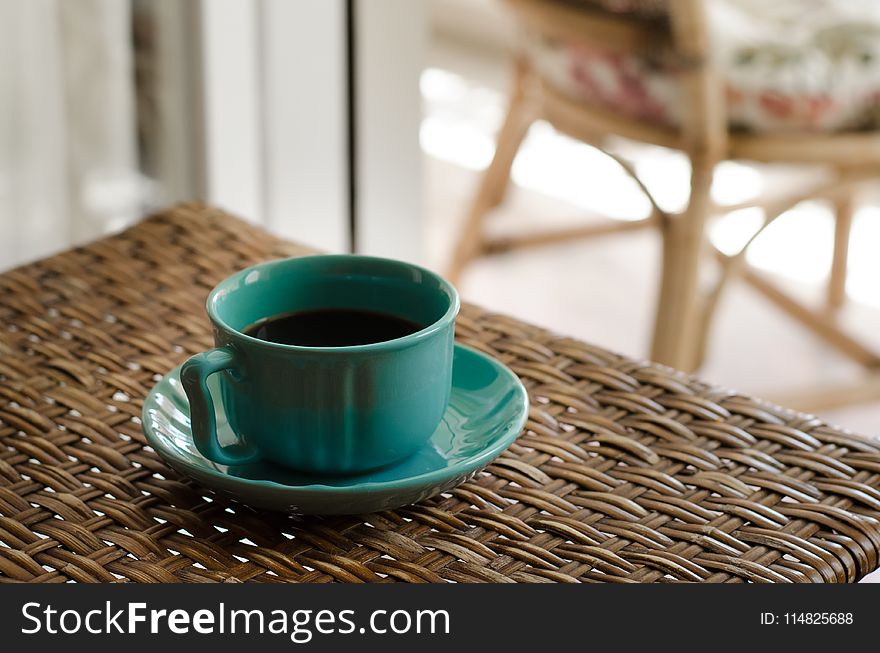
<point>331,327</point>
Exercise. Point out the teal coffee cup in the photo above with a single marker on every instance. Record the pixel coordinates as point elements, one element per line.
<point>324,409</point>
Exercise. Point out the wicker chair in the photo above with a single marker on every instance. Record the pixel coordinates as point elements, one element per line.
<point>677,30</point>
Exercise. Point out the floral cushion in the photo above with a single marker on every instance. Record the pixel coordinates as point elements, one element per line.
<point>789,65</point>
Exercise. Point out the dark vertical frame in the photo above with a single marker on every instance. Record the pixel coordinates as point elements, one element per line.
<point>351,79</point>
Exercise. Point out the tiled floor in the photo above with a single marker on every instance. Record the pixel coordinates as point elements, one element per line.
<point>603,290</point>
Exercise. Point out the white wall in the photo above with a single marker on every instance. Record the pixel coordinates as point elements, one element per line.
<point>231,106</point>
<point>254,111</point>
<point>274,102</point>
<point>305,121</point>
<point>391,46</point>
<point>68,169</point>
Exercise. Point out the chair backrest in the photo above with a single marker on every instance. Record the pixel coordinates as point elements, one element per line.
<point>677,28</point>
<point>584,20</point>
<point>705,130</point>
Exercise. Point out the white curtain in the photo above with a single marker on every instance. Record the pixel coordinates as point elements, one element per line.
<point>68,154</point>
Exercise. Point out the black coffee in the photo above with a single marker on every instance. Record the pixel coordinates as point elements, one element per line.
<point>331,327</point>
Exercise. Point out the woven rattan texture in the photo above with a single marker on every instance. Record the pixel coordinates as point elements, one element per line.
<point>625,472</point>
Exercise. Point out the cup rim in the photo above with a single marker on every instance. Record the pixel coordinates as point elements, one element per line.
<point>396,343</point>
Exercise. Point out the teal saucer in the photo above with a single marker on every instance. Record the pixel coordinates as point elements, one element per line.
<point>487,410</point>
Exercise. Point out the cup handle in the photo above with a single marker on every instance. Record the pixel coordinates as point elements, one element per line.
<point>194,377</point>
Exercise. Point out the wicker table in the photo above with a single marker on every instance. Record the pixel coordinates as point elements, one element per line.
<point>626,471</point>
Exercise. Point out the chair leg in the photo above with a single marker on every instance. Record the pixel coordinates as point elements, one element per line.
<point>522,112</point>
<point>677,339</point>
<point>843,215</point>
